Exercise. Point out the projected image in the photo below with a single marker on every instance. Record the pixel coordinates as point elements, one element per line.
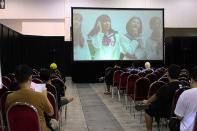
<point>101,34</point>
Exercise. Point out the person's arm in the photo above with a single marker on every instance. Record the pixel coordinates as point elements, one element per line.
<point>151,99</point>
<point>180,107</point>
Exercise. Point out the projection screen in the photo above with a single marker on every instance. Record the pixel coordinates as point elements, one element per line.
<point>117,34</point>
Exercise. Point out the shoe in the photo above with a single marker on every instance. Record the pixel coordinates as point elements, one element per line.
<point>70,99</point>
<point>140,107</point>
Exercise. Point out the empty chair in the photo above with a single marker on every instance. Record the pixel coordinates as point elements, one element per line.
<point>185,83</point>
<point>2,104</point>
<point>183,78</point>
<point>116,79</point>
<point>23,117</point>
<point>175,99</point>
<point>11,76</point>
<point>152,77</point>
<point>53,102</point>
<point>37,81</point>
<point>164,79</point>
<point>133,72</point>
<point>6,81</point>
<point>60,83</point>
<point>123,82</point>
<point>154,87</point>
<point>142,74</point>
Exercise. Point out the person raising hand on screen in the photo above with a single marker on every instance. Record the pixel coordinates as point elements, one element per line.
<point>103,41</point>
<point>81,50</point>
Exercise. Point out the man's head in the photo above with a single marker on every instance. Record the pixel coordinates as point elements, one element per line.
<point>193,82</point>
<point>45,74</point>
<point>173,71</point>
<point>23,74</point>
<point>147,65</point>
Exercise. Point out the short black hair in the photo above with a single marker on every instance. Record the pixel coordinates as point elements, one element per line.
<point>194,73</point>
<point>174,71</point>
<point>45,74</point>
<point>22,73</point>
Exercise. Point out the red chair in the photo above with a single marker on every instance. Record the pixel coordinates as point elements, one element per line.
<point>1,123</point>
<point>54,76</point>
<point>140,91</point>
<point>142,74</point>
<point>53,102</point>
<point>183,78</point>
<point>185,83</point>
<point>51,88</point>
<point>183,75</point>
<point>23,117</point>
<point>148,71</point>
<point>37,81</point>
<point>11,76</point>
<point>116,80</point>
<point>36,76</point>
<point>175,99</point>
<point>195,125</point>
<point>152,77</point>
<point>2,104</point>
<point>3,90</point>
<point>154,87</point>
<point>60,84</point>
<point>164,79</point>
<point>122,83</point>
<point>6,81</point>
<point>133,72</point>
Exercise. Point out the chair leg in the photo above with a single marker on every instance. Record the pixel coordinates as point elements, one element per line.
<point>112,92</point>
<point>118,95</point>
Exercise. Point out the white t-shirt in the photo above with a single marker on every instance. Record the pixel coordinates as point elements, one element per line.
<point>186,107</point>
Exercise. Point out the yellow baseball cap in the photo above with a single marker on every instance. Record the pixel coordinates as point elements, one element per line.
<point>53,66</point>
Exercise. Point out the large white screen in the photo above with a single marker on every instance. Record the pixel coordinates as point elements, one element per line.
<point>117,34</point>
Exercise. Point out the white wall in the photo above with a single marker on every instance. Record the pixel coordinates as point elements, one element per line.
<point>49,15</point>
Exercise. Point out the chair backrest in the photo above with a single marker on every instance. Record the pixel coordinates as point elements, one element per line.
<point>51,88</point>
<point>23,117</point>
<point>1,122</point>
<point>123,80</point>
<point>131,83</point>
<point>148,71</point>
<point>142,74</point>
<point>116,77</point>
<point>11,76</point>
<point>133,72</point>
<point>54,76</point>
<point>141,88</point>
<point>154,87</point>
<point>183,78</point>
<point>195,124</point>
<point>152,77</point>
<point>183,75</point>
<point>60,84</point>
<point>37,81</point>
<point>2,104</point>
<point>6,81</point>
<point>164,79</point>
<point>185,83</point>
<point>36,76</point>
<point>3,90</point>
<point>53,102</point>
<point>175,99</point>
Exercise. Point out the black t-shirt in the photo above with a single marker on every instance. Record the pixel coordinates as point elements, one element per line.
<point>165,97</point>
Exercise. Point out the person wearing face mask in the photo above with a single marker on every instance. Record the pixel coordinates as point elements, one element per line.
<point>131,43</point>
<point>103,40</point>
<point>154,42</point>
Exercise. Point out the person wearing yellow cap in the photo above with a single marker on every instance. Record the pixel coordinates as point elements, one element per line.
<point>53,67</point>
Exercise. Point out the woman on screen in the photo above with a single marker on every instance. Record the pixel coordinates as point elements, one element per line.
<point>154,42</point>
<point>131,43</point>
<point>81,50</point>
<point>103,40</point>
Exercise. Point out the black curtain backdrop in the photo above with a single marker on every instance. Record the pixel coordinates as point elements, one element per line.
<point>35,51</point>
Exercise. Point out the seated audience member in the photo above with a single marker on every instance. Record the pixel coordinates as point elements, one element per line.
<point>160,103</point>
<point>54,69</point>
<point>147,67</point>
<point>45,76</point>
<point>25,94</point>
<point>186,106</point>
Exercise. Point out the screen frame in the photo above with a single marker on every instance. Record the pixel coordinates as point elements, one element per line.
<point>104,8</point>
